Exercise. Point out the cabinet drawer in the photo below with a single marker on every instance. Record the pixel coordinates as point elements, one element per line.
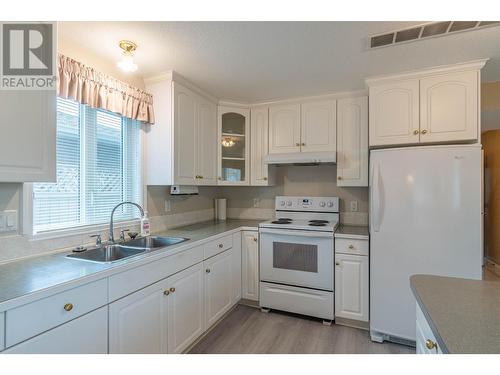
<point>217,246</point>
<point>85,335</point>
<point>137,278</point>
<point>348,246</point>
<point>34,318</point>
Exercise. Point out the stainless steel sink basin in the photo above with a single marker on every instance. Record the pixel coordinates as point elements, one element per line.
<point>107,253</point>
<point>116,252</point>
<point>153,242</point>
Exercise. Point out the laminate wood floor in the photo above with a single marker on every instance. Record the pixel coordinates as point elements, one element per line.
<point>246,330</point>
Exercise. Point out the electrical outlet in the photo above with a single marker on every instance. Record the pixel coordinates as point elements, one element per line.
<point>8,220</point>
<point>168,208</point>
<point>256,202</point>
<point>354,206</point>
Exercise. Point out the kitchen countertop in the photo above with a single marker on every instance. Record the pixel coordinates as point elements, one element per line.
<point>25,278</point>
<point>352,231</point>
<point>464,315</point>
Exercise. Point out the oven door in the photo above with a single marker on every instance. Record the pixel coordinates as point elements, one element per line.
<point>295,257</point>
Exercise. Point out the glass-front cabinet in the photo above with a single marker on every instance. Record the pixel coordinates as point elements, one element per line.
<point>234,146</point>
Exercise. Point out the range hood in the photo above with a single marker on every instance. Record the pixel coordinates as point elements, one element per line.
<point>301,158</point>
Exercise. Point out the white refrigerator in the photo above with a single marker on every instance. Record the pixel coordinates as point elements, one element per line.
<point>425,218</point>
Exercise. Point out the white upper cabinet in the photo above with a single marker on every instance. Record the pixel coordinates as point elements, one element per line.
<point>449,107</point>
<point>28,142</point>
<point>181,145</point>
<point>352,142</point>
<point>260,175</point>
<point>438,105</point>
<point>394,113</point>
<point>284,128</point>
<point>185,129</point>
<point>206,167</point>
<point>318,126</point>
<point>234,146</point>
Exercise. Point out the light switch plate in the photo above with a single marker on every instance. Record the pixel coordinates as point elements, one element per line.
<point>354,206</point>
<point>256,202</point>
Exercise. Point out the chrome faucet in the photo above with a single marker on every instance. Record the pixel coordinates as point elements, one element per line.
<point>111,237</point>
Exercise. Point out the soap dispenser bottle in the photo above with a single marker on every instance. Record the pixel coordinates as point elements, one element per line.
<point>145,230</point>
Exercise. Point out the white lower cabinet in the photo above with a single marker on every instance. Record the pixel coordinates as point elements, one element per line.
<point>351,287</point>
<point>185,311</point>
<point>425,341</point>
<point>87,334</point>
<point>218,288</point>
<point>250,265</point>
<point>2,331</point>
<point>236,267</point>
<point>138,322</point>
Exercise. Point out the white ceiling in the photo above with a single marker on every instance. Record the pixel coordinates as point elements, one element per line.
<point>254,61</point>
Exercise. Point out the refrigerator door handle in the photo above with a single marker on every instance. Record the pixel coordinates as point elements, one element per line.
<point>376,198</point>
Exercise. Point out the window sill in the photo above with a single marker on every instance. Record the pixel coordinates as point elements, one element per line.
<point>81,230</point>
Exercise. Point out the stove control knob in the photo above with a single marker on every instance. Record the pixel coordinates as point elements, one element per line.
<point>282,203</point>
<point>288,203</point>
<point>322,204</point>
<point>330,204</point>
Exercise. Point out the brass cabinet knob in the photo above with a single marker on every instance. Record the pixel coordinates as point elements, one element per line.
<point>297,144</point>
<point>415,132</point>
<point>339,178</point>
<point>68,307</point>
<point>430,344</point>
<point>337,263</point>
<point>220,178</point>
<point>207,270</point>
<point>201,177</point>
<point>424,131</point>
<point>265,178</point>
<point>221,246</point>
<point>351,247</point>
<point>166,292</point>
<point>303,144</point>
<point>255,239</point>
<point>172,290</point>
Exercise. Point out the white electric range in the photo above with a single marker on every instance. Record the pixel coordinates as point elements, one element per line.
<point>297,256</point>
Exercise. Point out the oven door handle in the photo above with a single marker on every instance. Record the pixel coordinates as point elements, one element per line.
<point>297,233</point>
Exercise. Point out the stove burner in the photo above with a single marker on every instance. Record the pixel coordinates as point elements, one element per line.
<point>316,224</point>
<point>319,221</point>
<point>281,222</point>
<point>284,219</point>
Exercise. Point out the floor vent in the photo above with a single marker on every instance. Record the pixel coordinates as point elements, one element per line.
<point>427,30</point>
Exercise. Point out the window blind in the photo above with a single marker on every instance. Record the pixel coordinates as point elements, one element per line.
<point>98,166</point>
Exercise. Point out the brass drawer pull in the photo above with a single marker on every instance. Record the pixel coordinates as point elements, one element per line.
<point>166,292</point>
<point>339,178</point>
<point>337,263</point>
<point>351,247</point>
<point>416,132</point>
<point>297,144</point>
<point>303,144</point>
<point>172,290</point>
<point>221,246</point>
<point>255,239</point>
<point>424,131</point>
<point>68,307</point>
<point>207,270</point>
<point>430,344</point>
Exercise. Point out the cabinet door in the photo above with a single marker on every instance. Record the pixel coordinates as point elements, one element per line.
<point>28,141</point>
<point>206,152</point>
<point>394,113</point>
<point>318,126</point>
<point>351,287</point>
<point>184,136</point>
<point>250,265</point>
<point>138,322</point>
<point>449,107</point>
<point>259,142</point>
<point>234,146</point>
<point>218,289</point>
<point>352,142</point>
<point>236,267</point>
<point>284,128</point>
<point>185,308</point>
<point>87,334</point>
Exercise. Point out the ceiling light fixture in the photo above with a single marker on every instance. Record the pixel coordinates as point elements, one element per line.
<point>127,62</point>
<point>228,142</point>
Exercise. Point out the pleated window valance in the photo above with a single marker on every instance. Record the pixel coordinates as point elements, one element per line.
<point>87,86</point>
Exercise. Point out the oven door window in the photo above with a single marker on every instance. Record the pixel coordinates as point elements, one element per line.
<point>296,257</point>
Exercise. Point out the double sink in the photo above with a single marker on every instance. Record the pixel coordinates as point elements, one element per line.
<point>114,252</point>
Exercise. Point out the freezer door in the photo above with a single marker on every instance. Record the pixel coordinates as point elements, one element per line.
<point>425,218</point>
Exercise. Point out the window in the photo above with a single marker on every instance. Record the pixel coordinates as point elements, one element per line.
<point>98,166</point>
